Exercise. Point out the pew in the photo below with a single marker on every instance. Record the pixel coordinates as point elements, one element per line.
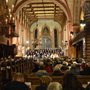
<point>35,81</point>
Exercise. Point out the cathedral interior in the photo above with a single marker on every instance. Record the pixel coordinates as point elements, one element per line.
<point>53,26</point>
<point>44,24</point>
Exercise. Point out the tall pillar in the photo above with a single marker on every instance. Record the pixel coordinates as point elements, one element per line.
<point>39,36</point>
<point>52,36</point>
<point>86,8</point>
<point>68,29</point>
<point>75,29</point>
<point>59,39</point>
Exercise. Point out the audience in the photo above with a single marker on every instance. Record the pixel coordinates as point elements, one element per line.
<point>44,65</point>
<point>57,72</point>
<point>86,69</point>
<point>41,72</point>
<point>75,69</point>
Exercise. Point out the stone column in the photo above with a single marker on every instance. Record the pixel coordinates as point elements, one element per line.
<point>32,39</point>
<point>39,36</point>
<point>59,39</point>
<point>68,47</point>
<point>52,38</point>
<point>75,29</point>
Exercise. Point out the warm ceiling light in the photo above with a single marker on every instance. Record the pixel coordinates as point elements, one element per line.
<point>6,20</point>
<point>12,6</point>
<point>9,10</point>
<point>82,23</point>
<point>6,1</point>
<point>13,19</point>
<point>27,42</point>
<point>10,15</point>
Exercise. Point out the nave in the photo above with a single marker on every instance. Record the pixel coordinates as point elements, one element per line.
<point>48,38</point>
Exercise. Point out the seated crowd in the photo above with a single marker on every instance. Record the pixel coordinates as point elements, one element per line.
<point>53,62</point>
<point>58,67</point>
<point>50,63</point>
<point>70,82</point>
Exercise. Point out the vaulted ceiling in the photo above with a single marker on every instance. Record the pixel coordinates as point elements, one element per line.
<point>39,9</point>
<point>58,10</point>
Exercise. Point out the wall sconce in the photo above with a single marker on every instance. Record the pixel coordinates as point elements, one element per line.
<point>82,23</point>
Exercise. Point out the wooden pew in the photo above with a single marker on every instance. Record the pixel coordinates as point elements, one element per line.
<point>84,79</point>
<point>36,80</point>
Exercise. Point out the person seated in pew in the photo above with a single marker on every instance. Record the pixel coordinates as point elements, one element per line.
<point>45,80</point>
<point>41,71</point>
<point>86,70</point>
<point>48,66</point>
<point>75,68</point>
<point>57,71</point>
<point>71,82</point>
<point>17,83</point>
<point>54,86</point>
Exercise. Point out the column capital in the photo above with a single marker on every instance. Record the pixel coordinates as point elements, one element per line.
<point>76,27</point>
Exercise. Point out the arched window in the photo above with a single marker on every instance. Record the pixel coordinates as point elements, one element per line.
<point>36,34</point>
<point>55,38</point>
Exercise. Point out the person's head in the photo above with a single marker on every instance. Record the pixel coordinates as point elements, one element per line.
<point>70,82</point>
<point>18,77</point>
<point>46,80</point>
<point>54,86</point>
